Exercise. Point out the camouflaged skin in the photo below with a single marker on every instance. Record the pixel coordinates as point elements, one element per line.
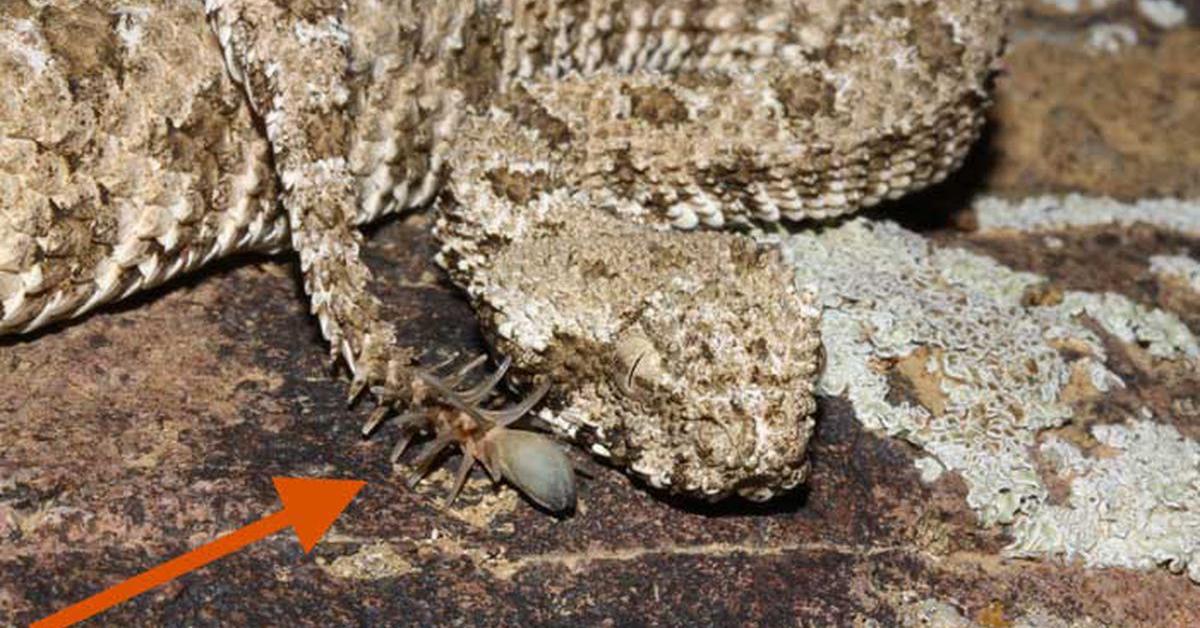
<point>690,358</point>
<point>134,161</point>
<point>687,358</point>
<point>127,157</point>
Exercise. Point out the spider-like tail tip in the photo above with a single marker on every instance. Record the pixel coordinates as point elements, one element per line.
<point>531,462</point>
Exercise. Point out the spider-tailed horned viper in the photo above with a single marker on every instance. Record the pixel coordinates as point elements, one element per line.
<point>580,155</point>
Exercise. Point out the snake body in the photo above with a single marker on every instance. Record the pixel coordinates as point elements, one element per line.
<point>138,145</point>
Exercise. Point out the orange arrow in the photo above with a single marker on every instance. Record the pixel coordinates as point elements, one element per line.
<point>309,507</point>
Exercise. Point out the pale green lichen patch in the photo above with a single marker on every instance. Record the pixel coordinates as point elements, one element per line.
<point>1163,13</point>
<point>1044,213</point>
<point>932,612</point>
<point>1138,507</point>
<point>1178,268</point>
<point>947,350</point>
<point>1163,334</point>
<point>985,355</point>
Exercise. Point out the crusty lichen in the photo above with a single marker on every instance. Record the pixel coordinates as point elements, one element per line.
<point>1177,268</point>
<point>1163,335</point>
<point>1162,13</point>
<point>1078,6</point>
<point>1045,213</point>
<point>1111,38</point>
<point>376,561</point>
<point>944,349</point>
<point>932,613</point>
<point>1138,507</point>
<point>991,376</point>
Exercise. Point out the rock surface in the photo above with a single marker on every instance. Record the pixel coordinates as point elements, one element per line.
<point>119,448</point>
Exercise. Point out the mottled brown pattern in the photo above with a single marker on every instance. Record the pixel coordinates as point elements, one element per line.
<point>119,448</point>
<point>805,96</point>
<point>656,105</point>
<point>517,187</point>
<point>711,151</point>
<point>529,113</point>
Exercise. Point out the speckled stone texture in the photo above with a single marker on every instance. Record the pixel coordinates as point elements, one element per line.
<point>189,454</point>
<point>109,465</point>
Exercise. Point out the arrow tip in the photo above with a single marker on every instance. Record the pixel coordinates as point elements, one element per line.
<point>312,505</point>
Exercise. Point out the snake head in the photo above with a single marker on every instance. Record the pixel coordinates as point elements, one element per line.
<point>532,463</point>
<point>688,358</point>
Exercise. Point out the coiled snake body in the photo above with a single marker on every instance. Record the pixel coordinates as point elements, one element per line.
<point>582,155</point>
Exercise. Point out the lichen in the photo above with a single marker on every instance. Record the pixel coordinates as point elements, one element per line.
<point>1163,334</point>
<point>897,298</point>
<point>1045,213</point>
<point>1077,6</point>
<point>932,612</point>
<point>917,612</point>
<point>1178,268</point>
<point>1162,13</point>
<point>1137,508</point>
<point>1111,38</point>
<point>942,348</point>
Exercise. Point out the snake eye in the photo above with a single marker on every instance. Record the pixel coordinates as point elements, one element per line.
<point>639,365</point>
<point>535,465</point>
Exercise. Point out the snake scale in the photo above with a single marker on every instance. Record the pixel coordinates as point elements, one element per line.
<point>590,163</point>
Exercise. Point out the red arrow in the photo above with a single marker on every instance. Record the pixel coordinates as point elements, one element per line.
<point>309,507</point>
